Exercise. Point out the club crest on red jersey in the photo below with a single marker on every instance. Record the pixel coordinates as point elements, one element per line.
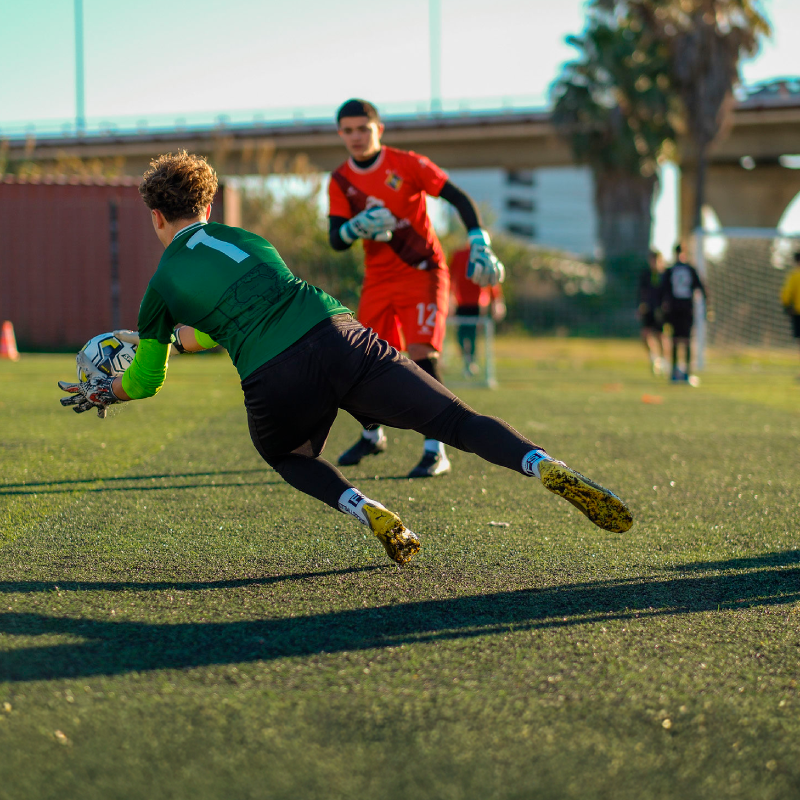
<point>393,180</point>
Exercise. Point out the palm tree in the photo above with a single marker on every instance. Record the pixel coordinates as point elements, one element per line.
<point>706,40</point>
<point>614,105</point>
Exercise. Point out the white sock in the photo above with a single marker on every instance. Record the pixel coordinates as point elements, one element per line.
<point>433,446</point>
<point>530,462</point>
<point>352,502</point>
<point>373,435</point>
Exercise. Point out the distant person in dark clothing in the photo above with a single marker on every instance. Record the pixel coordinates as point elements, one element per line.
<point>649,312</point>
<point>790,296</point>
<point>678,285</point>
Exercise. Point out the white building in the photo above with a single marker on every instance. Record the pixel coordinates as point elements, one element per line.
<point>550,207</point>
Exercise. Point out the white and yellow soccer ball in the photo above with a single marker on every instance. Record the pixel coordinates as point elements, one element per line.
<point>104,356</point>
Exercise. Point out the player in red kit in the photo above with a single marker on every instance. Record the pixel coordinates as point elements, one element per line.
<point>378,195</point>
<point>472,301</point>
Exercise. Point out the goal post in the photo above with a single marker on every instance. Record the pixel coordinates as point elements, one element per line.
<point>743,270</point>
<point>485,374</point>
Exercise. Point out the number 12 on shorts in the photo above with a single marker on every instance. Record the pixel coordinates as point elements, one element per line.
<point>430,321</point>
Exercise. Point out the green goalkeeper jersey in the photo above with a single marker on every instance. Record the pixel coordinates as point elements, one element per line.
<point>233,286</point>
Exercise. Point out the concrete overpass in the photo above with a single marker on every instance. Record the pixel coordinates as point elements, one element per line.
<point>763,128</point>
<point>511,140</point>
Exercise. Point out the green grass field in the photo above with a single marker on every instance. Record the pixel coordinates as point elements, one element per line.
<point>175,622</point>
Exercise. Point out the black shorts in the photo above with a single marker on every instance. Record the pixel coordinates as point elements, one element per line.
<point>681,322</point>
<point>652,322</point>
<point>294,398</point>
<point>468,311</point>
<point>796,325</point>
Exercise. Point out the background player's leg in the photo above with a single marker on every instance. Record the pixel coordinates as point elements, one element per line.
<point>467,337</point>
<point>434,459</point>
<point>652,341</point>
<point>796,330</point>
<point>371,442</point>
<point>675,369</point>
<point>688,357</point>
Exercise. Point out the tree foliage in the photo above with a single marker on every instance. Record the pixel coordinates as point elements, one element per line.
<point>647,69</point>
<point>706,40</point>
<point>297,229</point>
<point>616,106</point>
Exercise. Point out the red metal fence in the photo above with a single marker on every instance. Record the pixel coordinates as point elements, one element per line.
<point>75,259</point>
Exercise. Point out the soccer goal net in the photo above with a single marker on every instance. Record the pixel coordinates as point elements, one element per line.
<point>743,270</point>
<point>468,356</point>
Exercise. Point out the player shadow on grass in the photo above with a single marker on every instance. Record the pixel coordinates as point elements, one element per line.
<point>67,486</point>
<point>110,648</point>
<point>32,587</point>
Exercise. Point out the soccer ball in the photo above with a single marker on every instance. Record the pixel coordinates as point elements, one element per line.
<point>104,356</point>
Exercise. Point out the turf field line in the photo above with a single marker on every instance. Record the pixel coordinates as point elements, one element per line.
<point>26,484</point>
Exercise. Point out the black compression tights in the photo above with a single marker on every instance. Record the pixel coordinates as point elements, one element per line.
<point>458,426</point>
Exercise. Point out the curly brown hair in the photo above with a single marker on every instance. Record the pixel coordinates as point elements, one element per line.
<point>179,185</point>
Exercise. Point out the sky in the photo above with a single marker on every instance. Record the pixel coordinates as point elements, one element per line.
<point>154,59</point>
<point>163,60</point>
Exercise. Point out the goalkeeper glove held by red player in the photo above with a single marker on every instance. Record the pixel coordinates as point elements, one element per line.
<point>483,266</point>
<point>373,223</point>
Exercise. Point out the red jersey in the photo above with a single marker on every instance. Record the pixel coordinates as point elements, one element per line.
<point>465,291</point>
<point>399,180</point>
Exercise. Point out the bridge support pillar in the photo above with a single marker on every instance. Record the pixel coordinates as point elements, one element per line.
<point>754,198</point>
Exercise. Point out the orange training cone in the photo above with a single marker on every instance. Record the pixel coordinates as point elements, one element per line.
<point>8,343</point>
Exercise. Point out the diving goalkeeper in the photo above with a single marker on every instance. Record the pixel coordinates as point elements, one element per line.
<point>301,357</point>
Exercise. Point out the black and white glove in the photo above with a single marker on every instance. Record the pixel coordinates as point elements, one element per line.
<point>373,223</point>
<point>78,402</point>
<point>94,393</point>
<point>483,267</point>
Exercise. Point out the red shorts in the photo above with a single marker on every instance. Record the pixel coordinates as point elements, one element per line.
<point>409,308</point>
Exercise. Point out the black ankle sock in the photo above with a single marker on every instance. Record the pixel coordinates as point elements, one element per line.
<point>431,366</point>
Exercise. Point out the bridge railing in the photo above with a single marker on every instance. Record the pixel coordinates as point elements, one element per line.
<point>257,118</point>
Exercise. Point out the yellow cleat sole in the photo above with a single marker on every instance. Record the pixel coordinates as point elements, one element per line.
<point>600,505</point>
<point>401,544</point>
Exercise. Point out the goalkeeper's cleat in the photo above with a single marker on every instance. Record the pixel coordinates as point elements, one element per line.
<point>600,505</point>
<point>361,449</point>
<point>431,464</point>
<point>400,543</point>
